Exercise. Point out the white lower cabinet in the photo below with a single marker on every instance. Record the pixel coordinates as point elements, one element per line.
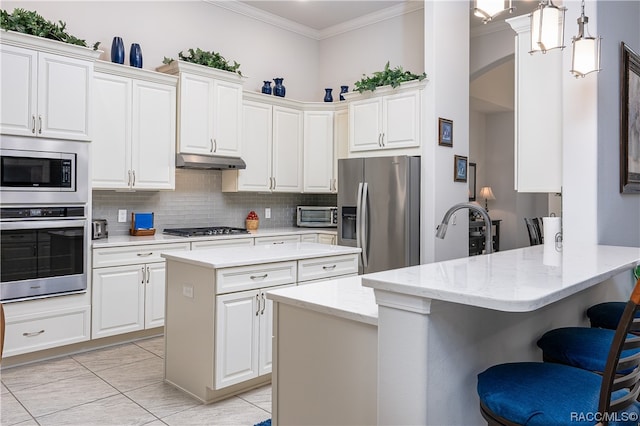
<point>244,329</point>
<point>131,296</point>
<point>281,239</point>
<point>236,242</point>
<point>327,239</point>
<point>309,238</point>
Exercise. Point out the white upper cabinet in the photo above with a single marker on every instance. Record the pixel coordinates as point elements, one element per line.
<point>538,145</point>
<point>387,119</point>
<point>210,109</point>
<point>272,150</point>
<point>135,121</point>
<point>319,152</point>
<point>46,87</point>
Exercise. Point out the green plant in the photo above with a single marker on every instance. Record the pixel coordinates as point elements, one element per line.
<point>387,77</point>
<point>30,22</point>
<point>209,59</point>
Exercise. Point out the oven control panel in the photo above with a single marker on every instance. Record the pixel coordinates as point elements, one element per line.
<point>41,212</point>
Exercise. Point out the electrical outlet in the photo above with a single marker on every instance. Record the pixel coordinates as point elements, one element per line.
<point>187,291</point>
<point>267,213</point>
<point>122,215</point>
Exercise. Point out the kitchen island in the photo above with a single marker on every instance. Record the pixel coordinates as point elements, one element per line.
<point>218,321</point>
<point>440,324</point>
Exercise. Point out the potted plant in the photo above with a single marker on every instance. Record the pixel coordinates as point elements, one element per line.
<point>30,22</point>
<point>387,77</point>
<point>209,59</point>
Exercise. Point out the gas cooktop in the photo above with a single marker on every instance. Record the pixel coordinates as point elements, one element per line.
<point>212,230</point>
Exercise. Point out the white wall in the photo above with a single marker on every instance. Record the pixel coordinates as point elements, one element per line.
<point>346,57</point>
<point>164,28</point>
<point>447,94</point>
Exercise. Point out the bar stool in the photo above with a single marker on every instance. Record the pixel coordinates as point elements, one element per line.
<point>542,393</point>
<point>607,314</point>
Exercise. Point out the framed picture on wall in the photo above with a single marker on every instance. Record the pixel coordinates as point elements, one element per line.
<point>459,168</point>
<point>472,181</point>
<point>445,132</point>
<point>629,121</point>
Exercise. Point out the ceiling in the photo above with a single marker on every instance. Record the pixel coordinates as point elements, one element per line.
<point>319,15</point>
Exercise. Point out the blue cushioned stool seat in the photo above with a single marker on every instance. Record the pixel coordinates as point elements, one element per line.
<point>581,347</point>
<point>607,314</point>
<point>534,393</point>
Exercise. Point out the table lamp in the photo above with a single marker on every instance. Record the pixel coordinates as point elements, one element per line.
<point>487,194</point>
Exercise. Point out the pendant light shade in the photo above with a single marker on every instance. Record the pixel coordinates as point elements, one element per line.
<point>585,58</point>
<point>489,9</point>
<point>547,27</point>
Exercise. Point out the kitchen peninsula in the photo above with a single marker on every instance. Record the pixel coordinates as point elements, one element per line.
<point>218,322</point>
<point>440,324</point>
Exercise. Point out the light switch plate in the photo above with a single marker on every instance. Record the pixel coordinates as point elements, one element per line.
<point>122,215</point>
<point>267,213</point>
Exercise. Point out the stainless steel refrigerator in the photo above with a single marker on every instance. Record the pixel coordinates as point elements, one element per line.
<point>379,210</point>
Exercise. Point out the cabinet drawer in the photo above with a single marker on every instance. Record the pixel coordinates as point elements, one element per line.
<point>130,255</point>
<point>35,332</point>
<point>235,242</point>
<point>229,280</point>
<point>277,240</point>
<point>327,267</point>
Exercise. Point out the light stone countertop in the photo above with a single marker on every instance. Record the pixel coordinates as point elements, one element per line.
<point>160,238</point>
<point>340,297</point>
<point>520,280</point>
<point>226,257</point>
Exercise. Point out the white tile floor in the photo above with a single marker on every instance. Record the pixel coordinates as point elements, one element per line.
<point>119,385</point>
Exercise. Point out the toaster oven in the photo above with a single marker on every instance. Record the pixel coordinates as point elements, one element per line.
<point>317,217</point>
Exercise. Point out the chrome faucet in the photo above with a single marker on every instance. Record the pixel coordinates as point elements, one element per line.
<point>441,230</point>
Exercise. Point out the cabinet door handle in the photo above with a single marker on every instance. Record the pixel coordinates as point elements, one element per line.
<point>215,145</point>
<point>129,181</point>
<point>145,254</point>
<point>383,145</point>
<point>329,268</point>
<point>274,182</point>
<point>148,274</point>
<point>33,124</point>
<point>134,178</point>
<point>143,275</point>
<point>278,242</point>
<point>211,148</point>
<point>258,304</point>
<point>39,124</point>
<point>264,304</point>
<point>33,333</point>
<point>259,277</point>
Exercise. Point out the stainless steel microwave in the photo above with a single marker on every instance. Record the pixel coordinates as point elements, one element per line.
<point>43,171</point>
<point>317,217</point>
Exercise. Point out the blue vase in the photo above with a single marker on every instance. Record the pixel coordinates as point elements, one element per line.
<point>278,89</point>
<point>327,95</point>
<point>135,56</point>
<point>266,88</point>
<point>117,50</point>
<point>343,89</point>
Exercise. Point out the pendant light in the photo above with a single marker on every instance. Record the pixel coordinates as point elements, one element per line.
<point>489,9</point>
<point>586,49</point>
<point>547,27</point>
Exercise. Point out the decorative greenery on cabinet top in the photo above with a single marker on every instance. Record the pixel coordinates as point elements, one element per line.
<point>210,59</point>
<point>30,22</point>
<point>387,77</point>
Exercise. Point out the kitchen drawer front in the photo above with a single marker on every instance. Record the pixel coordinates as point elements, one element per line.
<point>277,240</point>
<point>131,255</point>
<point>229,280</point>
<point>235,242</point>
<point>327,267</point>
<point>44,330</point>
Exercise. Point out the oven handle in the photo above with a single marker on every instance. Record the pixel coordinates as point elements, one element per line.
<point>39,224</point>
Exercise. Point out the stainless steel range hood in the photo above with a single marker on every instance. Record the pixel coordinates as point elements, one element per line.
<point>210,162</point>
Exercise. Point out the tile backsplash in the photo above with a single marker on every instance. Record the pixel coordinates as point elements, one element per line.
<point>199,201</point>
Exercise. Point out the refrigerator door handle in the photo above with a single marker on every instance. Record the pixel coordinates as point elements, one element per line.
<point>364,224</point>
<point>358,215</point>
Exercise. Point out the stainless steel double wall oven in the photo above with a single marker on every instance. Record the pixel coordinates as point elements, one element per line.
<point>44,227</point>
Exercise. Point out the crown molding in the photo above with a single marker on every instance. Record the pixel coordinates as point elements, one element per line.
<point>277,21</point>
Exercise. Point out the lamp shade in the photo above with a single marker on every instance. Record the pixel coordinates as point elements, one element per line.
<point>489,9</point>
<point>547,27</point>
<point>585,57</point>
<point>487,193</point>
